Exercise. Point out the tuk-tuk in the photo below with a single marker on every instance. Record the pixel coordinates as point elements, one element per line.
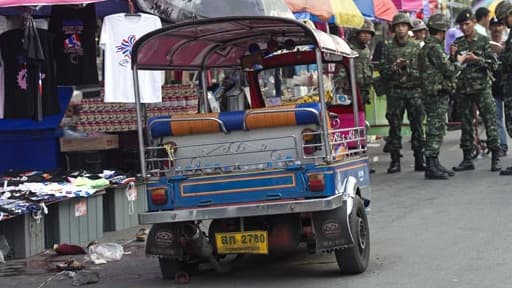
<point>283,166</point>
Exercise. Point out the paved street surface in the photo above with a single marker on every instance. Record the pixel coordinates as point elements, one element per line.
<point>454,233</point>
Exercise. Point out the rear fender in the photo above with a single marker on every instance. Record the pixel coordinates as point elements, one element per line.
<point>349,188</point>
<point>163,240</point>
<point>332,228</point>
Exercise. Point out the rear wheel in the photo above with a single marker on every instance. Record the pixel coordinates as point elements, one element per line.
<point>170,267</point>
<point>354,259</point>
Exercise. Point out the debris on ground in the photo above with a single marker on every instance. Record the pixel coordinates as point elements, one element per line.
<point>141,235</point>
<point>70,265</point>
<point>68,249</point>
<point>105,252</point>
<point>61,275</point>
<point>85,277</point>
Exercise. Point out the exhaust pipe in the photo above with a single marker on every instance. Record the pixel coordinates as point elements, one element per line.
<point>190,231</point>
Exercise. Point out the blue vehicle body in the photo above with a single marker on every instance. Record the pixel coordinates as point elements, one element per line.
<point>290,183</point>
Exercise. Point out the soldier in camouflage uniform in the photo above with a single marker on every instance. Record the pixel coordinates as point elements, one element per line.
<point>399,68</point>
<point>363,66</point>
<point>420,31</point>
<point>437,74</point>
<point>474,88</point>
<point>504,14</point>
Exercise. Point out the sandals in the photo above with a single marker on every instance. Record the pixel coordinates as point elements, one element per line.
<point>141,235</point>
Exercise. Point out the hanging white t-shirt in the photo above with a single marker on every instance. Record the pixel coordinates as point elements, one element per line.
<point>118,34</point>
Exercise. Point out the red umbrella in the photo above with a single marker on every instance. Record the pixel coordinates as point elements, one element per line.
<point>7,3</point>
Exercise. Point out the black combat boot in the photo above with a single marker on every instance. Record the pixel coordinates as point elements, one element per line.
<point>467,163</point>
<point>394,167</point>
<point>432,171</point>
<point>419,160</point>
<point>442,168</point>
<point>495,161</point>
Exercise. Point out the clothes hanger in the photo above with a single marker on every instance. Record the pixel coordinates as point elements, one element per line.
<point>132,12</point>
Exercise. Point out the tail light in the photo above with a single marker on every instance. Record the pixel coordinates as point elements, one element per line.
<point>158,196</point>
<point>316,182</point>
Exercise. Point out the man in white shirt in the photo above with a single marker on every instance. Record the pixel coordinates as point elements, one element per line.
<point>482,19</point>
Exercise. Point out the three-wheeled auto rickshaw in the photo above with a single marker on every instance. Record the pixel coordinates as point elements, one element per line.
<point>286,168</point>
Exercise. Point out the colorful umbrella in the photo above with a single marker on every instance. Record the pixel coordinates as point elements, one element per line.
<point>382,9</point>
<point>490,4</point>
<point>345,12</point>
<point>180,10</point>
<point>7,3</point>
<point>409,5</point>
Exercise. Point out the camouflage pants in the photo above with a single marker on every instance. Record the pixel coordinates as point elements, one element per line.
<point>507,100</point>
<point>399,100</point>
<point>436,108</point>
<point>487,110</point>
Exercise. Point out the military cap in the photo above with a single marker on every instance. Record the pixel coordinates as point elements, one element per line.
<point>367,27</point>
<point>495,21</point>
<point>418,24</point>
<point>401,18</point>
<point>439,22</point>
<point>464,16</point>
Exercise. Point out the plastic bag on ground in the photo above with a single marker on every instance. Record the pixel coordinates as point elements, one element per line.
<point>105,252</point>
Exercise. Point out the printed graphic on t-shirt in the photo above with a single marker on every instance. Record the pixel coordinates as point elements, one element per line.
<point>73,30</point>
<point>21,78</point>
<point>126,49</point>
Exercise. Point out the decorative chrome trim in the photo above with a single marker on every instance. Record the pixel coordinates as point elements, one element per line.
<point>243,210</point>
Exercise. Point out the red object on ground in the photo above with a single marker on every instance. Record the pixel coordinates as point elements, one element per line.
<point>68,249</point>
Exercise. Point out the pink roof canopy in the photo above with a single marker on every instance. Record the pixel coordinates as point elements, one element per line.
<point>7,3</point>
<point>409,5</point>
<point>220,42</point>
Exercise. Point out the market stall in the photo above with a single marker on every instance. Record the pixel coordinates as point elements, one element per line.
<point>50,191</point>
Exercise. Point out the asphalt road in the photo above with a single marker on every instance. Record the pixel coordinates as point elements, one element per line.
<point>454,233</point>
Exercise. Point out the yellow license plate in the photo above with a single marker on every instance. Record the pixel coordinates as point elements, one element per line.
<point>249,242</point>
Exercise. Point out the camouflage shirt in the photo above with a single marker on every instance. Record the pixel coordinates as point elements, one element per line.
<point>363,66</point>
<point>477,75</point>
<point>436,70</point>
<point>409,76</point>
<point>506,57</point>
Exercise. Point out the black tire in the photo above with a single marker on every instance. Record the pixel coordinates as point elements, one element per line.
<point>354,259</point>
<point>169,267</point>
